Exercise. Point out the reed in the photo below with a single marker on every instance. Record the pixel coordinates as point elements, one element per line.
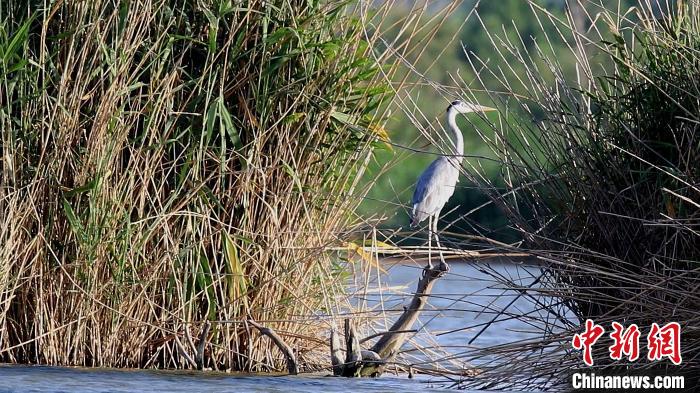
<point>169,165</point>
<point>601,181</point>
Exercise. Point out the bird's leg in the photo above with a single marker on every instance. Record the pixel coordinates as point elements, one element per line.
<point>443,265</point>
<point>430,243</point>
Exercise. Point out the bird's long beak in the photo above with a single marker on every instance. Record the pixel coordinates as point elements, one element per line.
<point>481,108</point>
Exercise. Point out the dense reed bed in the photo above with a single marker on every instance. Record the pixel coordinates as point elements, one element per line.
<point>170,168</point>
<point>602,183</point>
<point>599,179</point>
<point>166,163</point>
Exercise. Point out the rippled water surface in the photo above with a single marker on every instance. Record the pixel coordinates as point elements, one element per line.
<point>61,379</point>
<point>457,302</point>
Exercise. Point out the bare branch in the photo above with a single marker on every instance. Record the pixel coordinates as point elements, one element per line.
<point>389,344</point>
<point>292,365</point>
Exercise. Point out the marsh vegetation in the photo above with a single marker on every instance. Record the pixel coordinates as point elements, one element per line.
<point>175,173</point>
<point>169,163</point>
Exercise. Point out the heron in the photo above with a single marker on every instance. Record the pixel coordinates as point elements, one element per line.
<point>437,183</point>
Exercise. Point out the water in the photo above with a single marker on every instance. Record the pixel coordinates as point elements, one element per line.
<point>70,380</point>
<point>458,301</point>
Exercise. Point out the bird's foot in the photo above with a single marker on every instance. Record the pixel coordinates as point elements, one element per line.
<point>444,267</point>
<point>436,271</point>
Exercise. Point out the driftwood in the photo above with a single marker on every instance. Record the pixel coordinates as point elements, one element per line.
<point>373,361</point>
<point>292,365</point>
<point>356,359</point>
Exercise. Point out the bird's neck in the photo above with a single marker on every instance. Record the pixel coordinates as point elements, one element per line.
<point>457,139</point>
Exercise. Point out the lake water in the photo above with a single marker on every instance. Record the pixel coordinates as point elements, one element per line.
<point>461,304</point>
<point>70,380</point>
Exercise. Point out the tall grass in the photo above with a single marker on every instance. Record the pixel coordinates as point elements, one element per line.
<point>604,187</point>
<point>599,179</point>
<point>167,163</point>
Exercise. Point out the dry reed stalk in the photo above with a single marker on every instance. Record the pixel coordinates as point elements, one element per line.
<point>166,165</point>
<point>598,177</point>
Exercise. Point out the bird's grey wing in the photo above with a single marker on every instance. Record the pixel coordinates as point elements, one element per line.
<point>423,183</point>
<point>431,192</point>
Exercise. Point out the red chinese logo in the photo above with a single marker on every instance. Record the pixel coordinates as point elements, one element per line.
<point>586,340</point>
<point>663,342</point>
<point>624,343</point>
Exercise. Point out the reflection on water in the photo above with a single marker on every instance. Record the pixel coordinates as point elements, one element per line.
<point>468,297</point>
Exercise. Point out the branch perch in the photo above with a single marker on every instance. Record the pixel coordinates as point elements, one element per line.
<point>389,344</point>
<point>372,362</point>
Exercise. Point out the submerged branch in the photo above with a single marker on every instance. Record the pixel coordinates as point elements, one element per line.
<point>292,365</point>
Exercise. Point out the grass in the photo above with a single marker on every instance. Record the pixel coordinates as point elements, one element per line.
<point>167,163</point>
<point>598,178</point>
<point>603,188</point>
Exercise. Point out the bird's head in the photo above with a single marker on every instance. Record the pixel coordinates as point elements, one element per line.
<point>466,107</point>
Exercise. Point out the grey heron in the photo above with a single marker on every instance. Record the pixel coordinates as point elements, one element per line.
<point>437,183</point>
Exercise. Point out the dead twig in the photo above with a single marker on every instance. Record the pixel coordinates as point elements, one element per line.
<point>375,335</point>
<point>183,352</point>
